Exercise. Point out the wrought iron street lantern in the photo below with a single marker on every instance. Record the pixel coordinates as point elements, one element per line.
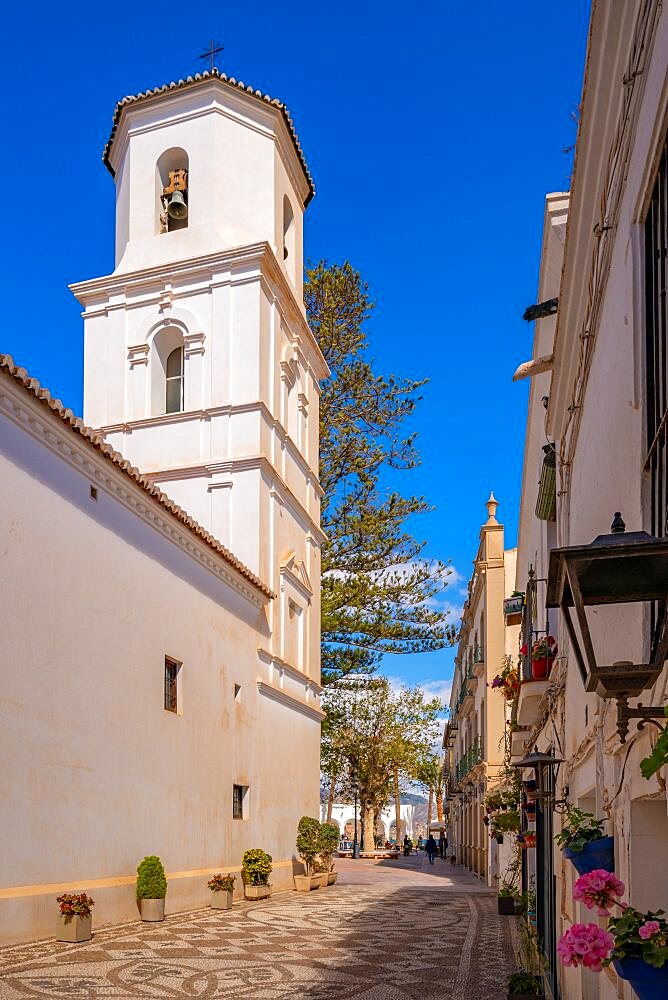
<point>540,763</point>
<point>618,568</point>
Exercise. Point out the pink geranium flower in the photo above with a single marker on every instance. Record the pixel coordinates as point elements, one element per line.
<point>649,929</point>
<point>586,944</point>
<point>598,889</point>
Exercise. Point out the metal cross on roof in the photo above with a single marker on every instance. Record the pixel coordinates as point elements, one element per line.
<point>211,52</point>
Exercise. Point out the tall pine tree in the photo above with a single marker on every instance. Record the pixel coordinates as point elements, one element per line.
<point>377,589</point>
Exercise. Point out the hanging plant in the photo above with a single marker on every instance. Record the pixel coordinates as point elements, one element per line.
<point>659,756</point>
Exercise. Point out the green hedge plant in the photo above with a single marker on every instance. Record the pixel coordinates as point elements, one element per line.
<point>151,879</point>
<point>256,867</point>
<point>308,830</point>
<point>328,842</point>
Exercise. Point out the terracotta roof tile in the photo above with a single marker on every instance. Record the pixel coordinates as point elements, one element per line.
<point>21,376</point>
<point>198,78</point>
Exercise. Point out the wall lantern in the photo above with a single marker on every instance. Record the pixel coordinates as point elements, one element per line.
<point>618,568</point>
<point>540,763</point>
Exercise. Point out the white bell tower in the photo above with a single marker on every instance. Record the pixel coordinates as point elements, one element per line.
<point>199,365</point>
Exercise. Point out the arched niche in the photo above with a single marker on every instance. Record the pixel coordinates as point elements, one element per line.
<point>174,159</point>
<point>166,350</point>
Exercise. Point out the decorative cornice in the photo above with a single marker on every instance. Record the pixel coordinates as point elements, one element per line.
<point>276,694</point>
<point>274,424</point>
<point>275,661</point>
<point>92,293</point>
<point>279,488</point>
<point>303,586</point>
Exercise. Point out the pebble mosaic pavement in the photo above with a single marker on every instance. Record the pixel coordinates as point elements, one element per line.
<point>397,930</point>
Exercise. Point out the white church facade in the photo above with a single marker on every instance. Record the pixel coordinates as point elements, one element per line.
<point>161,562</point>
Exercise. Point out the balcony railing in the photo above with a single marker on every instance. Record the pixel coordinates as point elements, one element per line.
<point>469,760</point>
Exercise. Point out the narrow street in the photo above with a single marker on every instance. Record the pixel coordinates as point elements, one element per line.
<point>389,930</point>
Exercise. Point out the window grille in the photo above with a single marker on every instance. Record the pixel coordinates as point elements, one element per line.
<point>237,801</point>
<point>171,672</point>
<point>656,351</point>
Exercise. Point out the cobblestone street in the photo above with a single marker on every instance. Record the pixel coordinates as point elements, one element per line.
<point>387,931</point>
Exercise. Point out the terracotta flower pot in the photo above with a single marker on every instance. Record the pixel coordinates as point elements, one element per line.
<point>332,877</point>
<point>74,929</point>
<point>322,879</point>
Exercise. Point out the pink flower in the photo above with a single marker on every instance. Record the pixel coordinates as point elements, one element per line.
<point>648,929</point>
<point>598,889</point>
<point>585,944</point>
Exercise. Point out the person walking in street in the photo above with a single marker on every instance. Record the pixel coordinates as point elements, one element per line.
<point>442,845</point>
<point>431,847</point>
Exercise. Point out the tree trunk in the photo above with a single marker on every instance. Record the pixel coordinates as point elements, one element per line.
<point>430,808</point>
<point>439,808</point>
<point>397,806</point>
<point>330,798</point>
<point>368,827</point>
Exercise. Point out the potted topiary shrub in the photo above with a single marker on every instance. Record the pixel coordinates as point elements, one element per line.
<point>256,867</point>
<point>75,920</point>
<point>328,842</point>
<point>583,842</point>
<point>222,890</point>
<point>308,830</point>
<point>151,888</point>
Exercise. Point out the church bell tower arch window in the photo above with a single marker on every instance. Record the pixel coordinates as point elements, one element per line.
<point>172,174</point>
<point>174,381</point>
<point>167,372</point>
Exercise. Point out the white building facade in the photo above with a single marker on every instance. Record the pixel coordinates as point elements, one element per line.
<point>343,816</point>
<point>598,396</point>
<point>475,737</point>
<point>161,591</point>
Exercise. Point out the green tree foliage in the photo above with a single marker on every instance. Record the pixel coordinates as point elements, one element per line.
<point>378,731</point>
<point>377,589</point>
<point>151,879</point>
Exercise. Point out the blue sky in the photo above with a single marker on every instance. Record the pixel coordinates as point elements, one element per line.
<point>433,134</point>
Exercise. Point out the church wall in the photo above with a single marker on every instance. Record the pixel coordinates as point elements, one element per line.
<point>93,599</point>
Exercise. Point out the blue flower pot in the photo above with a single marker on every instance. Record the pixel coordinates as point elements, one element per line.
<point>596,854</point>
<point>648,983</point>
